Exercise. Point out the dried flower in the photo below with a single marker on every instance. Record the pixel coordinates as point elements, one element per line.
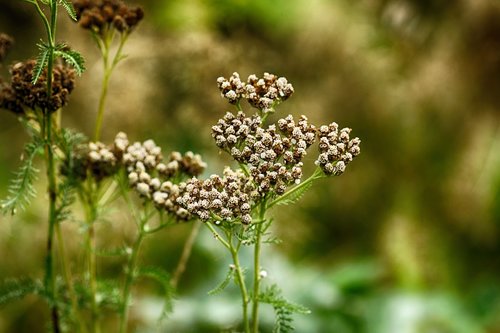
<point>23,93</point>
<point>262,93</point>
<point>336,149</point>
<point>102,15</point>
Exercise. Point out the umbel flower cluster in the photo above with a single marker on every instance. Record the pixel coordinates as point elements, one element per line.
<point>270,157</point>
<point>150,175</point>
<point>262,93</point>
<point>22,94</point>
<point>101,15</point>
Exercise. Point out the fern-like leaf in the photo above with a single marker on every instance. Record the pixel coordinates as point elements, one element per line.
<point>68,6</point>
<point>41,61</point>
<point>16,289</point>
<point>21,189</point>
<point>283,309</point>
<point>294,195</point>
<point>66,196</point>
<point>162,277</point>
<point>224,283</point>
<point>72,58</point>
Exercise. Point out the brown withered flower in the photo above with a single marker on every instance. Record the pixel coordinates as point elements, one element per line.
<point>102,15</point>
<point>35,95</point>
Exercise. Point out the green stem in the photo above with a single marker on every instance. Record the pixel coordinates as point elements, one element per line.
<point>49,280</point>
<point>130,273</point>
<point>256,268</point>
<point>108,70</point>
<point>68,280</point>
<point>241,283</point>
<point>186,253</point>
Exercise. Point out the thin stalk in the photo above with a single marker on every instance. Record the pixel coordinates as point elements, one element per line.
<point>186,253</point>
<point>68,280</point>
<point>256,268</point>
<point>239,272</point>
<point>91,217</point>
<point>130,273</point>
<point>108,70</point>
<point>241,282</point>
<point>49,280</point>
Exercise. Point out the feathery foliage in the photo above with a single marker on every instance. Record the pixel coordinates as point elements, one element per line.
<point>21,189</point>
<point>19,288</point>
<point>68,6</point>
<point>41,61</point>
<point>223,284</point>
<point>162,277</point>
<point>71,57</point>
<point>282,308</point>
<point>294,195</point>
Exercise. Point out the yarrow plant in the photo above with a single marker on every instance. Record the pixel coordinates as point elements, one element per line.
<point>158,190</point>
<point>236,206</point>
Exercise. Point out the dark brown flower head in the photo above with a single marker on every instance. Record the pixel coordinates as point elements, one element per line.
<point>22,92</point>
<point>262,93</point>
<point>336,149</point>
<point>102,15</point>
<point>5,43</point>
<point>9,100</point>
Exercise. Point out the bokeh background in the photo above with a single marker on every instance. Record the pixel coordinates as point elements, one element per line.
<point>406,241</point>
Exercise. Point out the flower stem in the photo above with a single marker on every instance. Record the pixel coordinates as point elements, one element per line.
<point>186,253</point>
<point>68,280</point>
<point>108,70</point>
<point>256,268</point>
<point>129,279</point>
<point>241,283</point>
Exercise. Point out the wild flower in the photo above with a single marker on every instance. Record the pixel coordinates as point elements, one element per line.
<point>5,44</point>
<point>270,159</point>
<point>101,16</point>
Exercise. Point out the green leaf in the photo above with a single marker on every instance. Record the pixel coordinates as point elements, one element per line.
<point>294,195</point>
<point>16,289</point>
<point>283,309</point>
<point>162,277</point>
<point>69,8</point>
<point>41,61</point>
<point>21,189</point>
<point>72,58</point>
<point>66,195</point>
<point>112,252</point>
<point>221,286</point>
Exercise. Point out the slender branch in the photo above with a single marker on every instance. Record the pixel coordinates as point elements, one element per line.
<point>186,253</point>
<point>241,282</point>
<point>256,268</point>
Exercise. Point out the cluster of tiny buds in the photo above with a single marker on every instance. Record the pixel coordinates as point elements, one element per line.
<point>336,149</point>
<point>23,93</point>
<point>274,159</point>
<point>98,15</point>
<point>262,93</point>
<point>148,174</point>
<point>221,198</point>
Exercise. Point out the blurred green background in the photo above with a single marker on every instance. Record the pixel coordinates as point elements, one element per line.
<point>406,241</point>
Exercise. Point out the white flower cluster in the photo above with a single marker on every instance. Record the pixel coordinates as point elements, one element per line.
<point>227,198</point>
<point>336,149</point>
<point>262,93</point>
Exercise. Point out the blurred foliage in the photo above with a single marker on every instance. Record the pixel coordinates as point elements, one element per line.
<point>406,241</point>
